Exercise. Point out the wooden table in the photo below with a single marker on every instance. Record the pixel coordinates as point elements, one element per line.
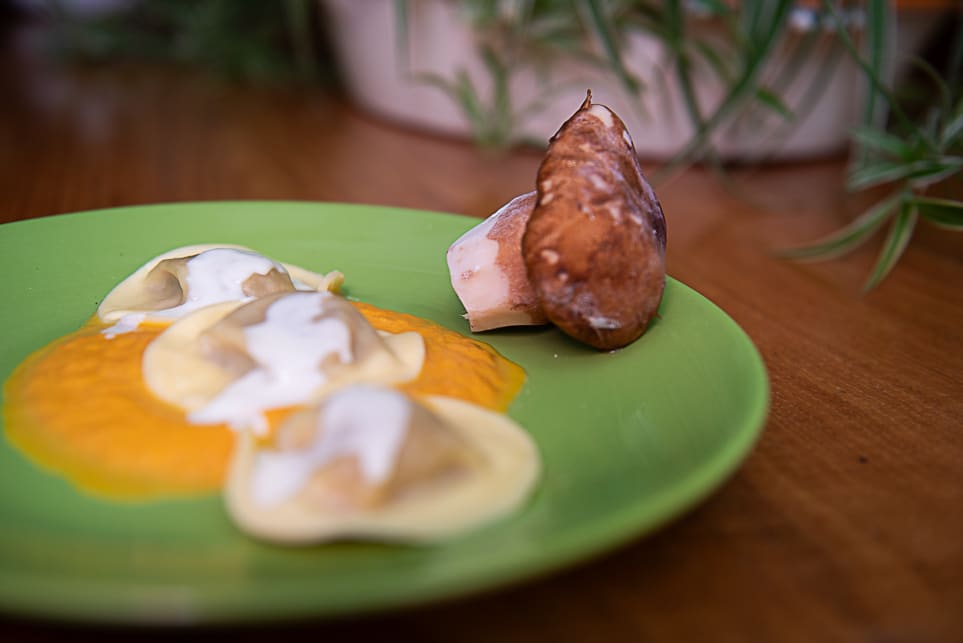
<point>845,523</point>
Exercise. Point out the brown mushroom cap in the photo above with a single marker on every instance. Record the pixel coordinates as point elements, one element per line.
<point>594,246</point>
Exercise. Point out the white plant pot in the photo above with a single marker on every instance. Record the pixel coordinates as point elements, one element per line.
<point>441,43</point>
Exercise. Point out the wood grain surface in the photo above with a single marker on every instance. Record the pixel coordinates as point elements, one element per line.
<point>844,524</point>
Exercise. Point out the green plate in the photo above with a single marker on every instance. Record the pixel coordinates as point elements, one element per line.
<point>630,439</point>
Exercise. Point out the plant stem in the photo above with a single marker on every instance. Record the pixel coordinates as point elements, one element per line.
<point>743,87</point>
<point>298,14</point>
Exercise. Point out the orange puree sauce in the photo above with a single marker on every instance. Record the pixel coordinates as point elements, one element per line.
<point>454,365</point>
<point>79,408</point>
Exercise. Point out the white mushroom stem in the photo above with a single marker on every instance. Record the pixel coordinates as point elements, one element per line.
<point>487,271</point>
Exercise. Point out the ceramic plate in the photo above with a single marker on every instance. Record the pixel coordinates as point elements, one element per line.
<point>630,439</point>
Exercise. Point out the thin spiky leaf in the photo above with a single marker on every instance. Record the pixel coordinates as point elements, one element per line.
<point>607,39</point>
<point>871,74</point>
<point>402,34</point>
<point>756,54</point>
<point>462,92</point>
<point>881,141</point>
<point>954,67</point>
<point>501,118</point>
<point>676,37</point>
<point>649,19</point>
<point>772,100</point>
<point>848,237</point>
<point>298,18</point>
<point>945,102</point>
<point>952,132</point>
<point>715,7</point>
<point>945,213</point>
<point>920,173</point>
<point>716,61</point>
<point>898,238</point>
<point>803,51</point>
<point>750,17</point>
<point>877,35</point>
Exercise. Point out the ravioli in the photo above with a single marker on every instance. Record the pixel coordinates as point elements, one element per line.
<point>372,463</point>
<point>186,279</point>
<point>216,369</point>
<point>229,364</point>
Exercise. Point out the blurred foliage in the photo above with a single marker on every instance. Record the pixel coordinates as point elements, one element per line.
<point>249,41</point>
<point>514,34</point>
<point>907,144</point>
<point>915,155</point>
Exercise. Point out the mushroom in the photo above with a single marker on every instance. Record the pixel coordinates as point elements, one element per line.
<point>594,245</point>
<point>487,271</point>
<point>585,250</point>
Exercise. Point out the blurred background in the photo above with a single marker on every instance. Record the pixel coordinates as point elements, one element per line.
<point>718,83</point>
<point>694,79</point>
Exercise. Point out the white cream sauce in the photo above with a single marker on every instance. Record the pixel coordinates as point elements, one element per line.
<point>289,347</point>
<point>126,324</point>
<point>216,276</point>
<point>364,421</point>
<point>213,276</point>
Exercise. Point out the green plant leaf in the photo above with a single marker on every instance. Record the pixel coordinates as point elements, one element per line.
<point>716,61</point>
<point>881,141</point>
<point>607,38</point>
<point>877,30</point>
<point>299,23</point>
<point>402,33</point>
<point>898,238</point>
<point>945,213</point>
<point>953,130</point>
<point>675,39</point>
<point>462,92</point>
<point>812,49</point>
<point>772,100</point>
<point>877,87</point>
<point>714,7</point>
<point>954,67</point>
<point>501,116</point>
<point>757,51</point>
<point>945,103</point>
<point>921,173</point>
<point>849,237</point>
